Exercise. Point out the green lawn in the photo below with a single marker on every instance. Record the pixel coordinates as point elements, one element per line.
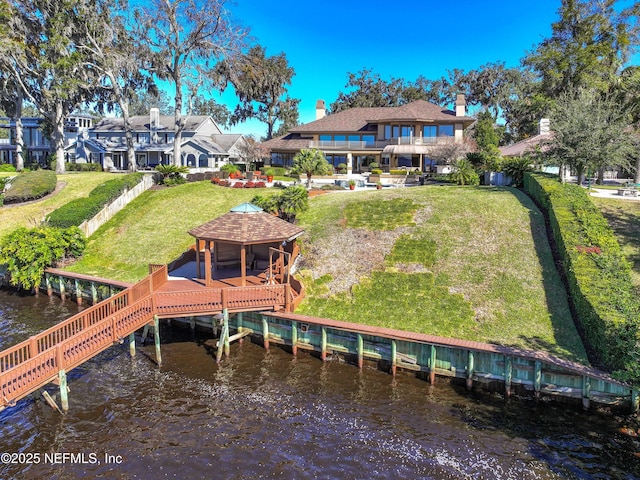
<point>76,185</point>
<point>624,218</point>
<point>471,263</point>
<point>153,228</point>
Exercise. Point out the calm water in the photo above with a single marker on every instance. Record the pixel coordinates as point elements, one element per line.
<point>266,415</point>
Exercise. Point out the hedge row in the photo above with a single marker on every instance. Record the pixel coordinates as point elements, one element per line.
<point>83,167</point>
<point>598,275</point>
<point>77,211</point>
<point>30,186</point>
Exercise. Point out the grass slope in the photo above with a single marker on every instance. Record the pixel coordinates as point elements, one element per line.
<point>470,263</point>
<point>77,185</point>
<point>474,263</point>
<point>153,229</point>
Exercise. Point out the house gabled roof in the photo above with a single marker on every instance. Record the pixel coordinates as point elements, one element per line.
<point>291,141</point>
<point>525,146</point>
<point>226,140</point>
<point>141,123</point>
<point>357,119</point>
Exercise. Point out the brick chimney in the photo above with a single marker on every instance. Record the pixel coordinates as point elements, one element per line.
<point>154,123</point>
<point>320,109</point>
<point>461,105</point>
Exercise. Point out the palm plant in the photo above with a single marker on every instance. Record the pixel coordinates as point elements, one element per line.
<point>171,173</point>
<point>310,161</point>
<point>464,173</point>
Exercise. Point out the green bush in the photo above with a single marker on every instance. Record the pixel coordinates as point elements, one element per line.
<point>598,276</point>
<point>3,182</point>
<point>81,209</point>
<point>30,186</point>
<point>516,168</point>
<point>28,252</point>
<point>464,173</point>
<point>398,172</point>
<point>83,167</point>
<point>7,167</point>
<point>172,174</point>
<point>376,171</point>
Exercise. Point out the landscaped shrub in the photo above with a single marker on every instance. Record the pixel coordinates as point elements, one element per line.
<point>516,168</point>
<point>464,173</point>
<point>172,174</point>
<point>81,209</point>
<point>287,204</point>
<point>83,167</point>
<point>398,172</point>
<point>598,275</point>
<point>30,186</point>
<point>7,167</point>
<point>376,171</point>
<point>28,252</point>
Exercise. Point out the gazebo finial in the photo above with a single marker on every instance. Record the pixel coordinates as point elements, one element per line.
<point>246,208</point>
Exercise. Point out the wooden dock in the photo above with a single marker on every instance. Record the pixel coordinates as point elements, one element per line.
<point>48,356</point>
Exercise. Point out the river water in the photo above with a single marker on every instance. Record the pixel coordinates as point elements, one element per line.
<point>264,414</point>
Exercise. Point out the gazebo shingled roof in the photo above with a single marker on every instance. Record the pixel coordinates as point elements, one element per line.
<point>247,224</point>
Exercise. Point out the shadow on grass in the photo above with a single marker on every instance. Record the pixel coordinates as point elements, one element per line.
<point>569,343</point>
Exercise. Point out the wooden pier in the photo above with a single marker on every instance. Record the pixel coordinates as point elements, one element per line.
<point>50,355</point>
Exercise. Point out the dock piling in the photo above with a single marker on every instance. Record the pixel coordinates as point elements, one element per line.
<point>156,338</point>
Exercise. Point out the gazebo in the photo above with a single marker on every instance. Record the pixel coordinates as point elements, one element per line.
<point>244,237</point>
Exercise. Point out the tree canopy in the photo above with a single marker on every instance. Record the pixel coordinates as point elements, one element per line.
<point>260,83</point>
<point>187,38</point>
<point>589,132</point>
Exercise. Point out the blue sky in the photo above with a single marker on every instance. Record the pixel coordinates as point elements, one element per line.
<point>325,39</point>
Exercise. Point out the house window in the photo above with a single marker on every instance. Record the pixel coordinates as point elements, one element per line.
<point>117,161</point>
<point>203,160</point>
<point>429,131</point>
<point>336,160</point>
<point>141,159</point>
<point>369,140</point>
<point>395,131</point>
<point>325,138</point>
<point>406,131</point>
<point>387,132</point>
<point>281,159</point>
<point>191,160</point>
<point>339,139</point>
<point>354,138</point>
<point>445,131</point>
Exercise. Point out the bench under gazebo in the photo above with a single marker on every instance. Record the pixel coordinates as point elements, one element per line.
<point>247,238</point>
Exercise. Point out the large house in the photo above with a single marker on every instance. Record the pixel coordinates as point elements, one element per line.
<point>204,146</point>
<point>36,145</point>
<point>392,137</point>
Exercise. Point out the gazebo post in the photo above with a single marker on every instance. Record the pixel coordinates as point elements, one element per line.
<point>207,262</point>
<point>243,265</point>
<point>198,269</point>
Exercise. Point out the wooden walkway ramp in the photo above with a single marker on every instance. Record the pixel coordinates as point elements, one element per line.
<point>48,356</point>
